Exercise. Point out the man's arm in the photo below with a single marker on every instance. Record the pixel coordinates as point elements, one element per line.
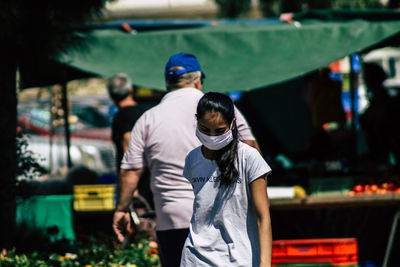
<point>127,184</point>
<point>124,143</point>
<point>125,140</point>
<point>132,167</point>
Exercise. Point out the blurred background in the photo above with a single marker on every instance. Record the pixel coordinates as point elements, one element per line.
<point>318,82</point>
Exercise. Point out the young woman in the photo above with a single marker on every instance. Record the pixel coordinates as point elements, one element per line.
<point>231,224</point>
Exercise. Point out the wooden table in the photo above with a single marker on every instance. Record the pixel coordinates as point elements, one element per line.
<point>335,202</point>
<point>319,201</point>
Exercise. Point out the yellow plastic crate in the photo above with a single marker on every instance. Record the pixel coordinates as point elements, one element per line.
<point>94,197</point>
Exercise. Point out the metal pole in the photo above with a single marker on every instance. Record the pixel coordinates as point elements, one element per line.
<point>51,136</point>
<point>66,122</point>
<point>353,108</point>
<point>391,238</point>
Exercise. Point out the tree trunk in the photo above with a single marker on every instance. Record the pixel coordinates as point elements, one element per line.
<point>8,124</point>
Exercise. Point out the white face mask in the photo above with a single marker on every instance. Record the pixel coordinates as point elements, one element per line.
<point>215,142</point>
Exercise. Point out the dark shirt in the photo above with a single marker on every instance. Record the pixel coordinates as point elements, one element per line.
<point>123,122</point>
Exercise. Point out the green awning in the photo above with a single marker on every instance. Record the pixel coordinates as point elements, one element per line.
<point>235,57</point>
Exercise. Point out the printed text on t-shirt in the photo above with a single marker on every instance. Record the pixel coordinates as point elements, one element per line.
<point>212,179</point>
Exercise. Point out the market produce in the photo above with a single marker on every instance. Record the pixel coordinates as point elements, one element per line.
<point>377,188</point>
<point>299,191</point>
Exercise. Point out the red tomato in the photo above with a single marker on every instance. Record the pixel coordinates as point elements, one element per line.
<point>358,188</point>
<point>373,188</point>
<point>391,186</point>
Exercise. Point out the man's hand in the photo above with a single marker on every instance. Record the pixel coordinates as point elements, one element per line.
<point>122,225</point>
<point>127,184</point>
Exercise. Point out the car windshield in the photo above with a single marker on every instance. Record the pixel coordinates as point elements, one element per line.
<point>37,117</point>
<point>92,117</point>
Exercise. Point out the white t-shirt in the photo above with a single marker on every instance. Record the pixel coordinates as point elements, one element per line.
<point>223,228</point>
<point>160,140</point>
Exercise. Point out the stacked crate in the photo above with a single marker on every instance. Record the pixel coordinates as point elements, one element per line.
<point>100,197</point>
<point>315,252</point>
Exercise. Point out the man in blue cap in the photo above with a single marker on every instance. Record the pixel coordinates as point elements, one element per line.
<point>160,140</point>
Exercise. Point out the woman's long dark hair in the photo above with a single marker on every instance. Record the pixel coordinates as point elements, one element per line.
<point>216,102</point>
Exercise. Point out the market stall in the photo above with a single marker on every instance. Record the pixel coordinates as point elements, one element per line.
<point>270,62</point>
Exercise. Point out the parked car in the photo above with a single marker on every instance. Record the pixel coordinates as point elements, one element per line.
<point>90,139</point>
<point>89,118</point>
<point>97,155</point>
<point>93,162</point>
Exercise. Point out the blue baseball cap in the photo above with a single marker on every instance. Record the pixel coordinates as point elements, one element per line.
<point>187,61</point>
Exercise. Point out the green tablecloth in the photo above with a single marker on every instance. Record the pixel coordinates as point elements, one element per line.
<point>51,215</point>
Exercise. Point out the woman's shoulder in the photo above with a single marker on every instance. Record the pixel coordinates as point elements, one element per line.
<point>194,152</point>
<point>253,161</point>
<point>245,149</point>
<point>248,153</point>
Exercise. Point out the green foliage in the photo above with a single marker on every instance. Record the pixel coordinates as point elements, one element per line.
<point>233,8</point>
<point>357,4</point>
<point>273,8</point>
<point>27,165</point>
<point>12,259</point>
<point>93,252</point>
<point>34,30</point>
<point>393,4</point>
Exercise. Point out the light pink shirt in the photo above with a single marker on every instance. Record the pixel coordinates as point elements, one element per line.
<point>160,140</point>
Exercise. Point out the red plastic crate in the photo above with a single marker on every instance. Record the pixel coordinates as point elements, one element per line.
<point>336,251</point>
